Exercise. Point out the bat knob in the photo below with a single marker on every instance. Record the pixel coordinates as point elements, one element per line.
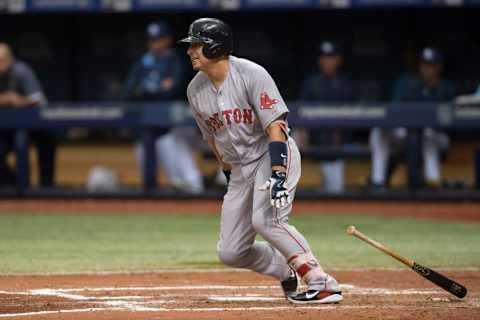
<point>351,230</point>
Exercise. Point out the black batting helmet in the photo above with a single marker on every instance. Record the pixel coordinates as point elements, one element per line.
<point>215,35</point>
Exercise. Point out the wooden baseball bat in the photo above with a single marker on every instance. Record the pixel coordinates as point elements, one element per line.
<point>435,277</point>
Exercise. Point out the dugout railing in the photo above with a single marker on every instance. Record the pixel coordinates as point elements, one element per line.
<point>149,118</point>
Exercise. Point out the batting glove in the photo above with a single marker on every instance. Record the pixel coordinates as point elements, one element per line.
<point>280,197</point>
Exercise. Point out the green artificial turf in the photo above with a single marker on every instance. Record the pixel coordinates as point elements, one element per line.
<point>107,242</point>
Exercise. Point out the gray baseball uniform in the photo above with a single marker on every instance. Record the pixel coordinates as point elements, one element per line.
<point>235,117</point>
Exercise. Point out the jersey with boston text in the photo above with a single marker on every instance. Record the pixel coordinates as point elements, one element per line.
<point>237,114</point>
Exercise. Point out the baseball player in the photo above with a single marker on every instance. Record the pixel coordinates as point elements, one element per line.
<point>241,114</point>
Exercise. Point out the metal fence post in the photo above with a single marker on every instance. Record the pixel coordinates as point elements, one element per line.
<point>149,160</point>
<point>23,161</point>
<point>414,159</point>
<point>477,168</point>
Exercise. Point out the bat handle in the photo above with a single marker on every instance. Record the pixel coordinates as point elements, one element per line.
<point>354,232</point>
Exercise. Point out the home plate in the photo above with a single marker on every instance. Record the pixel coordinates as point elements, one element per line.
<point>243,298</point>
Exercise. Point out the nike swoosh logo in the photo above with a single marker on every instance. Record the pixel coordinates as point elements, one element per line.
<point>310,296</point>
<point>283,155</point>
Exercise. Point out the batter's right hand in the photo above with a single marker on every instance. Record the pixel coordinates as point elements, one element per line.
<point>280,197</point>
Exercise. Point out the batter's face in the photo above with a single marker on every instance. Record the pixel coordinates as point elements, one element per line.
<point>199,61</point>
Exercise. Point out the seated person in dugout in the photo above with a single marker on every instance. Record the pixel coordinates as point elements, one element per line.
<point>328,85</point>
<point>428,85</point>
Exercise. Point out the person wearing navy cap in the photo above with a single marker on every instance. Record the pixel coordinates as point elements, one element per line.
<point>159,75</point>
<point>328,85</point>
<point>427,85</point>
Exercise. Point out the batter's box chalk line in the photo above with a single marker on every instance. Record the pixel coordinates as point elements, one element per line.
<point>144,303</point>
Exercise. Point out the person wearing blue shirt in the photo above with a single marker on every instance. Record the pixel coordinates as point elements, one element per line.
<point>20,88</point>
<point>427,85</point>
<point>329,85</point>
<point>159,75</point>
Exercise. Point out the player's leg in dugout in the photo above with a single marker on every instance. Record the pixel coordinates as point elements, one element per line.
<point>177,159</point>
<point>380,148</point>
<point>237,246</point>
<point>432,143</point>
<point>185,140</point>
<point>333,175</point>
<point>167,166</point>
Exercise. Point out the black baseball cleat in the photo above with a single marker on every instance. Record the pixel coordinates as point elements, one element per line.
<point>316,296</point>
<point>290,284</point>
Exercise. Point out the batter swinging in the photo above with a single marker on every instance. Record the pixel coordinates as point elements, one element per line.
<point>242,115</point>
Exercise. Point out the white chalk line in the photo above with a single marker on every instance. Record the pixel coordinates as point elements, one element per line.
<point>169,288</point>
<point>19,293</point>
<point>156,288</point>
<point>346,288</point>
<point>122,298</point>
<point>123,304</point>
<point>243,298</point>
<point>39,313</point>
<point>67,292</point>
<point>127,303</point>
<point>57,293</point>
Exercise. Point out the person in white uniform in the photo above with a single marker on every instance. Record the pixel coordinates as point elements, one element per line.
<point>243,117</point>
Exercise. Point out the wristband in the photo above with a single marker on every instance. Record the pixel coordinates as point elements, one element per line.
<point>278,153</point>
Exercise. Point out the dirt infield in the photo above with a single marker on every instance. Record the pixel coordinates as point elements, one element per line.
<point>446,211</point>
<point>230,295</point>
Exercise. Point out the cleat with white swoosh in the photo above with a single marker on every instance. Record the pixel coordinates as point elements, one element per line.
<point>316,296</point>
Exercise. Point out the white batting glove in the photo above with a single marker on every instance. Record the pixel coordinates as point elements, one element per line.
<point>280,197</point>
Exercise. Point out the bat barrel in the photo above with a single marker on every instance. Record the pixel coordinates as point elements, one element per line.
<point>435,277</point>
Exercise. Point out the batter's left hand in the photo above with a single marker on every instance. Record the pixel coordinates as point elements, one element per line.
<point>280,197</point>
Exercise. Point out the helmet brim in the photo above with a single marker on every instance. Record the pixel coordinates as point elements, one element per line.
<point>190,39</point>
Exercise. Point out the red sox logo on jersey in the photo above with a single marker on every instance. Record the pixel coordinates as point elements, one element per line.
<point>217,120</point>
<point>266,102</point>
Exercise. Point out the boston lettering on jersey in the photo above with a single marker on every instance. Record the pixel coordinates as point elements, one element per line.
<point>229,116</point>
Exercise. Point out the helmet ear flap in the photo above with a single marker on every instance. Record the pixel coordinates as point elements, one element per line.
<point>207,52</point>
<point>213,50</point>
